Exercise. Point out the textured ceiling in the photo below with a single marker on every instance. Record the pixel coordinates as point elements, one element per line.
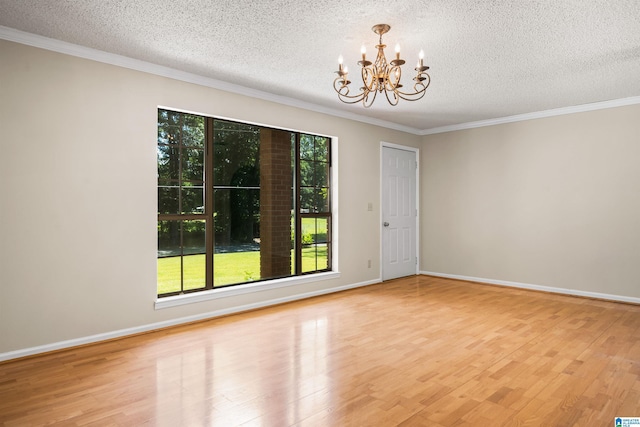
<point>488,59</point>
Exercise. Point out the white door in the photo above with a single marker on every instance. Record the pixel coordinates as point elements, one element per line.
<point>399,214</point>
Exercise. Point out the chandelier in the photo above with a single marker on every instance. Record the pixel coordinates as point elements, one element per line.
<point>381,76</point>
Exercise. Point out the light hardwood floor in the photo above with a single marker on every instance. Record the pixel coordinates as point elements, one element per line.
<point>419,351</point>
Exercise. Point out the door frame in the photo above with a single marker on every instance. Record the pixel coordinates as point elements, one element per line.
<point>384,144</point>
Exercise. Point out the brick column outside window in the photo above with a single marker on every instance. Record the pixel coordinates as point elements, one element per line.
<point>276,186</point>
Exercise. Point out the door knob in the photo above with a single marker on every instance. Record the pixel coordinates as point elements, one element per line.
<point>386,224</point>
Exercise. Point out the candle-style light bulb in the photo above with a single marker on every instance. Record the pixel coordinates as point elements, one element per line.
<point>421,56</point>
<point>363,51</point>
<point>397,50</point>
<point>340,59</point>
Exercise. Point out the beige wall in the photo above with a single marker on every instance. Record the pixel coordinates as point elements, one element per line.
<point>550,202</point>
<point>78,194</point>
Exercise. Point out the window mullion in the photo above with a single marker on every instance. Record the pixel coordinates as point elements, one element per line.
<point>209,200</point>
<point>296,208</point>
<point>180,206</point>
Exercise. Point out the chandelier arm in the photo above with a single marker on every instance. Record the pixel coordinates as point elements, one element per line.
<point>368,79</point>
<point>412,96</point>
<point>393,100</point>
<point>365,100</point>
<point>394,74</point>
<point>352,99</point>
<point>420,90</point>
<point>343,92</point>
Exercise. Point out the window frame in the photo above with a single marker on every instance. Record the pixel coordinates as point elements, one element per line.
<point>297,277</point>
<point>316,215</point>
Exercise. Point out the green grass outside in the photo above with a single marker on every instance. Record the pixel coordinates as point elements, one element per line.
<point>235,267</point>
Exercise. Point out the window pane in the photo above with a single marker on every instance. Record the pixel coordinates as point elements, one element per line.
<point>192,199</point>
<point>194,249</point>
<point>322,230</point>
<point>181,129</point>
<point>168,134</point>
<point>307,151</point>
<point>168,131</point>
<point>168,199</point>
<point>308,258</point>
<point>307,178</point>
<point>293,241</point>
<point>322,260</point>
<point>167,118</point>
<point>236,154</point>
<point>236,266</point>
<point>237,228</point>
<point>180,192</point>
<point>308,230</point>
<point>314,174</point>
<point>168,163</point>
<point>181,256</point>
<point>193,165</point>
<point>315,232</point>
<point>321,148</point>
<point>192,131</point>
<point>314,258</point>
<point>321,200</point>
<point>321,174</point>
<point>169,259</point>
<point>314,200</point>
<point>307,200</point>
<point>236,217</point>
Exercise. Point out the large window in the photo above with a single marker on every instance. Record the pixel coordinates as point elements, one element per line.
<point>239,203</point>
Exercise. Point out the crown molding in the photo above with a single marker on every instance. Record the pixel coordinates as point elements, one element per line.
<point>22,37</point>
<point>536,115</point>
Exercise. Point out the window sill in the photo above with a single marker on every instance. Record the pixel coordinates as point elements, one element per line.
<point>242,289</point>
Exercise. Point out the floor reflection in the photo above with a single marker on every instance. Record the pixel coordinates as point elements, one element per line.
<point>273,375</point>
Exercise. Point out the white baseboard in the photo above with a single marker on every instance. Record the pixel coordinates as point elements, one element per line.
<point>574,292</point>
<point>173,322</point>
